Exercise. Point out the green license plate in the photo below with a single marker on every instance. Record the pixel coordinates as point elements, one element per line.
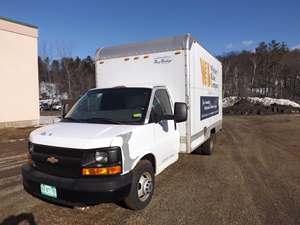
<point>48,190</point>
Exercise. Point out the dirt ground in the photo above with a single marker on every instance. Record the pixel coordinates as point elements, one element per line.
<point>14,134</point>
<point>252,178</point>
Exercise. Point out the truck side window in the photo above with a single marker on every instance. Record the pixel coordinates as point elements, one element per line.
<point>161,105</point>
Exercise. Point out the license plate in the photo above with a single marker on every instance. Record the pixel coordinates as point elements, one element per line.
<point>48,190</point>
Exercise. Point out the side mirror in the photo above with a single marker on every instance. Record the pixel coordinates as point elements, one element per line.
<point>180,112</point>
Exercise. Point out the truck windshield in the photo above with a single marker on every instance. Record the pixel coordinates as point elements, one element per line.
<point>111,106</point>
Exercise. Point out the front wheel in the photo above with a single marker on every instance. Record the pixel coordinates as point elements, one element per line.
<point>142,186</point>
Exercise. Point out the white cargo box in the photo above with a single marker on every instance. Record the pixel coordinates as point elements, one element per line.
<point>180,63</point>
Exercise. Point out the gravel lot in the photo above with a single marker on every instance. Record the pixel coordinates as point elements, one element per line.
<point>253,178</point>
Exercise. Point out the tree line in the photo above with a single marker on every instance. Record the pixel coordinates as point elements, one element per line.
<point>272,70</point>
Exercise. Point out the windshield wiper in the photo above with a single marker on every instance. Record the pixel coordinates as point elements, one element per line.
<point>71,119</point>
<point>99,120</point>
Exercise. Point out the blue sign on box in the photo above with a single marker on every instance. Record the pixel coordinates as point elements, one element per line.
<point>209,106</point>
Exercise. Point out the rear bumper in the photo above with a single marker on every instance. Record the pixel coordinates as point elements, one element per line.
<point>77,191</point>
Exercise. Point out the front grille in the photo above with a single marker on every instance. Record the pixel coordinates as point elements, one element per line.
<point>60,171</point>
<point>59,151</point>
<point>68,162</point>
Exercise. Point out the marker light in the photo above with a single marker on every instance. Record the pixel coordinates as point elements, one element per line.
<point>29,159</point>
<point>102,171</point>
<point>30,147</point>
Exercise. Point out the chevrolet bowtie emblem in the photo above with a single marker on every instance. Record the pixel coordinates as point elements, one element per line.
<point>52,160</point>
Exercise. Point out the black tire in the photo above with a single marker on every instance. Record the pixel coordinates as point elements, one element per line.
<point>133,201</point>
<point>208,146</point>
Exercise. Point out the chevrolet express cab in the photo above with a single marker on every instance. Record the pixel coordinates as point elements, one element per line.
<point>153,100</point>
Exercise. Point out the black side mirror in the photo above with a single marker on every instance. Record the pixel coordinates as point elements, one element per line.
<point>180,112</point>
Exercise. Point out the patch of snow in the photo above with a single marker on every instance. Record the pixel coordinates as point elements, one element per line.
<point>44,120</point>
<point>266,101</point>
<point>82,208</point>
<point>230,101</point>
<point>51,91</point>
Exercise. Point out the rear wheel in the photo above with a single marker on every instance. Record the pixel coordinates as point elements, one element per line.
<point>142,186</point>
<point>208,146</point>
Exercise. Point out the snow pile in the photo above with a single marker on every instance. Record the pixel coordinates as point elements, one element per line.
<point>230,101</point>
<point>269,101</point>
<point>266,101</point>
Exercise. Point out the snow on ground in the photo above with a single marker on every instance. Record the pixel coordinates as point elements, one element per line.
<point>44,120</point>
<point>266,101</point>
<point>51,91</point>
<point>230,101</point>
<point>269,101</point>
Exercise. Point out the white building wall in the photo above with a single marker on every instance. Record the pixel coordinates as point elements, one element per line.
<point>19,91</point>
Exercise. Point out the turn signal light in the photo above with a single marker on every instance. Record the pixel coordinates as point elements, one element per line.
<point>29,159</point>
<point>101,171</point>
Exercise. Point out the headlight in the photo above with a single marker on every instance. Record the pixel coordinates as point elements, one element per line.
<point>102,161</point>
<point>30,147</point>
<point>101,157</point>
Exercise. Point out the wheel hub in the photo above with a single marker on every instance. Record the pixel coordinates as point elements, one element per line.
<point>148,187</point>
<point>145,186</point>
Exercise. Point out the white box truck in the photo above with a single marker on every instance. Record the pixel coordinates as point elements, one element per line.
<point>153,100</point>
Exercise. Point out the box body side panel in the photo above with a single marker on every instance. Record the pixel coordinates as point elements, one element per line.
<point>206,95</point>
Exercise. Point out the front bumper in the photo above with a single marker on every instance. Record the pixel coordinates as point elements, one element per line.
<point>77,191</point>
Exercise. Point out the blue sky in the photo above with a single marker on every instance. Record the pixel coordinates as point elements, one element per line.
<point>80,27</point>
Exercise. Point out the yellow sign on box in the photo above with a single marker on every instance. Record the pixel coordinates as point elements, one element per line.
<point>206,73</point>
<point>209,74</point>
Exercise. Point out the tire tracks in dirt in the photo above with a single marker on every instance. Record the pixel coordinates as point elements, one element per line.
<point>260,182</point>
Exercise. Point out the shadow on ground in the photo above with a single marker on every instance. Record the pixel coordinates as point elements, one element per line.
<point>15,220</point>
